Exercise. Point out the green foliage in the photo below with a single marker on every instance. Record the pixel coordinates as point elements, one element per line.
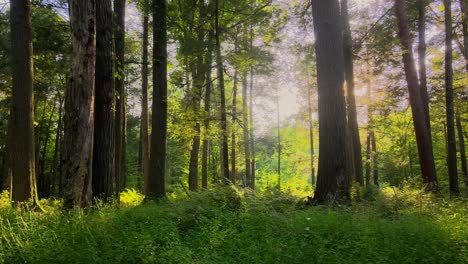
<point>130,198</point>
<point>227,226</point>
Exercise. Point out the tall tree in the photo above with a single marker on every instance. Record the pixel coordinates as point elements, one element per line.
<point>464,10</point>
<point>104,104</point>
<point>207,107</point>
<point>144,99</point>
<point>422,61</point>
<point>20,160</point>
<point>461,146</point>
<point>156,184</point>
<point>423,138</point>
<point>220,72</point>
<point>77,154</point>
<point>350,98</point>
<point>245,129</point>
<point>251,121</point>
<point>119,42</point>
<point>332,181</point>
<point>449,108</point>
<point>234,115</point>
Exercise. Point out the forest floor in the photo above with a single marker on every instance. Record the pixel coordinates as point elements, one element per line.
<point>229,226</point>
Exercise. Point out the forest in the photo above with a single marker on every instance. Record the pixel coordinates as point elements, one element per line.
<point>233,131</point>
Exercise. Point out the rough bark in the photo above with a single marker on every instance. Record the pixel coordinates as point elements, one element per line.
<point>104,104</point>
<point>353,126</point>
<point>245,130</point>
<point>20,163</point>
<point>79,107</point>
<point>423,138</point>
<point>145,152</point>
<point>220,75</point>
<point>449,108</point>
<point>119,43</point>
<point>207,106</point>
<point>422,61</point>
<point>157,187</point>
<point>332,167</point>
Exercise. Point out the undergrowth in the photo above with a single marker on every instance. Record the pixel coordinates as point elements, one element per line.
<point>228,225</point>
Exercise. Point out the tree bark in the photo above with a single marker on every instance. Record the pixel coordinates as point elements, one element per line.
<point>20,163</point>
<point>79,107</point>
<point>245,130</point>
<point>423,138</point>
<point>422,61</point>
<point>464,9</point>
<point>353,126</point>
<point>119,42</point>
<point>157,187</point>
<point>332,181</point>
<point>206,123</point>
<point>145,157</point>
<point>461,146</point>
<point>104,104</point>
<point>449,110</point>
<point>220,70</point>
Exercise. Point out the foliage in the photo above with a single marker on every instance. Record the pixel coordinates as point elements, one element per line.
<point>225,226</point>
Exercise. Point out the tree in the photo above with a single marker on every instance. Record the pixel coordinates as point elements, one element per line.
<point>422,61</point>
<point>145,152</point>
<point>245,130</point>
<point>423,138</point>
<point>449,108</point>
<point>350,98</point>
<point>120,109</point>
<point>156,184</point>
<point>79,107</point>
<point>332,181</point>
<point>20,161</point>
<point>104,104</point>
<point>220,73</point>
<point>464,10</point>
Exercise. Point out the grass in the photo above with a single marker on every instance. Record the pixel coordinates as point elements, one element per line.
<point>229,226</point>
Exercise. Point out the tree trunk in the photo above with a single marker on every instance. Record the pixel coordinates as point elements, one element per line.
<point>119,42</point>
<point>206,123</point>
<point>423,138</point>
<point>464,10</point>
<point>245,130</point>
<point>44,187</point>
<point>144,100</point>
<point>461,144</point>
<point>374,160</point>
<point>251,133</point>
<point>55,169</point>
<point>79,107</point>
<point>311,132</point>
<point>368,157</point>
<point>422,61</point>
<point>451,141</point>
<point>278,130</point>
<point>20,164</point>
<point>220,69</point>
<point>353,126</point>
<point>104,104</point>
<point>332,181</point>
<point>234,116</point>
<point>157,187</point>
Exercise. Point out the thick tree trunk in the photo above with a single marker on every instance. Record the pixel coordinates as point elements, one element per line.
<point>220,70</point>
<point>79,107</point>
<point>206,123</point>
<point>461,146</point>
<point>20,164</point>
<point>245,129</point>
<point>332,180</point>
<point>104,104</point>
<point>353,126</point>
<point>119,42</point>
<point>422,61</point>
<point>145,152</point>
<point>198,81</point>
<point>423,138</point>
<point>157,186</point>
<point>449,110</point>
